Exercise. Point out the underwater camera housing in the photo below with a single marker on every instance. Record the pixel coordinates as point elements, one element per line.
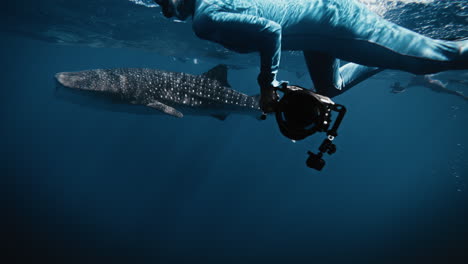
<point>301,113</point>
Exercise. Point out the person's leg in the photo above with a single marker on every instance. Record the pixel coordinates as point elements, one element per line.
<point>330,79</point>
<point>361,36</point>
<point>352,74</point>
<point>324,72</point>
<point>422,56</point>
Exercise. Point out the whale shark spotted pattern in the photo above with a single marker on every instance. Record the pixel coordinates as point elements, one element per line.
<point>173,93</point>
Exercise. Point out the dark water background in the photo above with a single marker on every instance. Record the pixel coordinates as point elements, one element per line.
<point>87,186</point>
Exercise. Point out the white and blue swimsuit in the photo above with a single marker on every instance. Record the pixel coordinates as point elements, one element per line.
<point>326,31</point>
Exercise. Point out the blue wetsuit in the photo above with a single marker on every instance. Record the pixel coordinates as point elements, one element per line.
<point>326,30</point>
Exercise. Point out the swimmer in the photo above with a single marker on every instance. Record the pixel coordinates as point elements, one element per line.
<point>429,82</point>
<point>326,31</point>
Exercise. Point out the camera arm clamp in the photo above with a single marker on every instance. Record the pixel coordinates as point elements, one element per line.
<point>315,161</point>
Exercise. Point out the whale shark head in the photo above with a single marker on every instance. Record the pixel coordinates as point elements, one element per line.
<point>73,80</point>
<point>83,83</point>
<point>92,80</point>
<point>87,88</point>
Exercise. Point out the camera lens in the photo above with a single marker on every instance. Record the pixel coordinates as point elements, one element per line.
<point>302,111</point>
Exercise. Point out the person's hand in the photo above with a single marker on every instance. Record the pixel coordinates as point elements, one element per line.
<point>268,96</point>
<point>268,99</point>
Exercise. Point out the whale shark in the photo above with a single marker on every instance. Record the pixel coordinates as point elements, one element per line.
<point>152,91</point>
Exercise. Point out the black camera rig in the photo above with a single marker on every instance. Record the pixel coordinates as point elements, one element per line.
<point>301,113</point>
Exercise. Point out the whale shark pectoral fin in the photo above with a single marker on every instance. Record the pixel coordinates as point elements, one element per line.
<point>165,108</point>
<point>221,117</point>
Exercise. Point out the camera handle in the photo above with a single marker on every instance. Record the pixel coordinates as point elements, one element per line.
<point>315,160</point>
<point>327,144</point>
<point>341,112</point>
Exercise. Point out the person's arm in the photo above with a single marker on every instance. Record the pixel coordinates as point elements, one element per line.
<point>244,33</point>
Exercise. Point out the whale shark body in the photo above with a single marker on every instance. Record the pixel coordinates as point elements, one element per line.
<point>150,91</point>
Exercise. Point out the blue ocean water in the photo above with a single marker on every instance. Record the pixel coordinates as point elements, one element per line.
<point>88,186</point>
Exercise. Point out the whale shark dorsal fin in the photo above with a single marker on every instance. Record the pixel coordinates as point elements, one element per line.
<point>218,73</point>
<point>165,108</point>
